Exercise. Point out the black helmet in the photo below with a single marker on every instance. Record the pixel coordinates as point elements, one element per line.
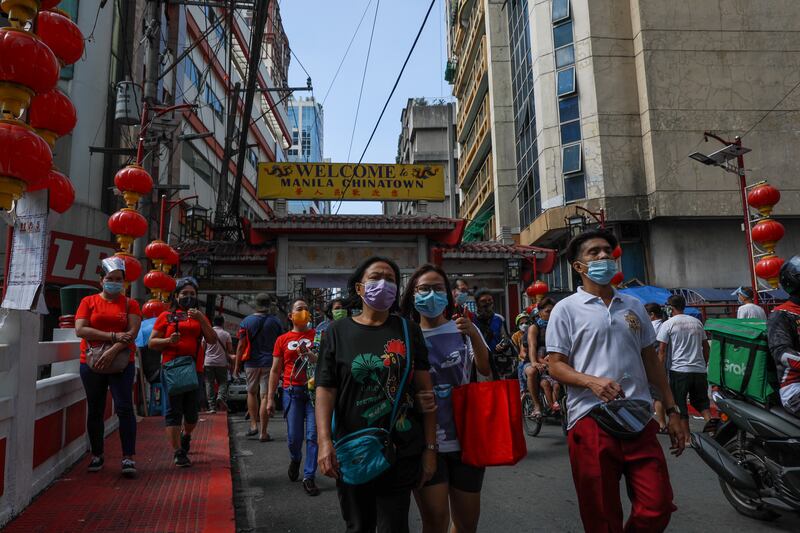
<point>790,275</point>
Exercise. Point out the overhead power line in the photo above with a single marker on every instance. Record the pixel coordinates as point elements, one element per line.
<point>363,79</point>
<point>353,38</point>
<point>389,99</point>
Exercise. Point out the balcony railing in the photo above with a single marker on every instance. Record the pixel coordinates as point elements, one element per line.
<point>466,52</point>
<point>476,136</point>
<point>480,189</point>
<point>478,71</point>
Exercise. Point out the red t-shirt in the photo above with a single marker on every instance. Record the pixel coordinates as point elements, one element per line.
<point>168,323</point>
<point>286,347</point>
<point>108,316</point>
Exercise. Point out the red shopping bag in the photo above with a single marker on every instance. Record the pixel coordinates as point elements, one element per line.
<point>488,420</point>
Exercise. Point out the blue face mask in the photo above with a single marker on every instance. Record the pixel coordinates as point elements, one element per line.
<point>113,287</point>
<point>601,271</point>
<point>462,298</point>
<point>541,323</point>
<point>432,304</point>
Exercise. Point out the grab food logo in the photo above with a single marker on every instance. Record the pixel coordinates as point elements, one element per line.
<point>734,368</point>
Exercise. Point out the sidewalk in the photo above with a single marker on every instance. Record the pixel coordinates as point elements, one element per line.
<point>162,498</point>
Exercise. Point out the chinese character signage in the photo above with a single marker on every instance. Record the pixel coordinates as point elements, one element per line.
<point>332,181</point>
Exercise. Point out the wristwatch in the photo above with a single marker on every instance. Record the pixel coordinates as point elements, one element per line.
<point>672,410</point>
<point>432,447</point>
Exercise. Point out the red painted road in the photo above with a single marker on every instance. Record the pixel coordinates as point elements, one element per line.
<point>163,498</point>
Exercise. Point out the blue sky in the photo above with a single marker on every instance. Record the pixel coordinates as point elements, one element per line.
<point>319,31</point>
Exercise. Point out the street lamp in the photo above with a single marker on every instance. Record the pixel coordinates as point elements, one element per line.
<point>513,270</point>
<point>575,224</point>
<point>723,158</point>
<point>196,215</point>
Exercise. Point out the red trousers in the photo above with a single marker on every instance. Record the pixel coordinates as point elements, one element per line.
<point>599,460</point>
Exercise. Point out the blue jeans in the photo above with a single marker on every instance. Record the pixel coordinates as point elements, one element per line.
<point>121,386</point>
<point>300,419</point>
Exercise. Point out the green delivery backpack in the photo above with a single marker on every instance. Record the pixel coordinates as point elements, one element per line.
<point>739,359</point>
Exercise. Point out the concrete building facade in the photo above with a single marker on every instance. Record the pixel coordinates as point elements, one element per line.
<point>427,135</point>
<point>480,65</point>
<point>623,91</point>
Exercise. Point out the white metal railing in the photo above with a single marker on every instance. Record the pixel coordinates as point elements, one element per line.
<point>42,422</point>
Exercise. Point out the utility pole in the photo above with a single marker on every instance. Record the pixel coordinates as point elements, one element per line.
<point>259,25</point>
<point>220,214</point>
<point>152,34</point>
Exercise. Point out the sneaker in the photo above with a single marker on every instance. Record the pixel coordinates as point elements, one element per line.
<point>211,411</point>
<point>96,465</point>
<point>186,442</point>
<point>128,467</point>
<point>181,459</point>
<point>310,487</point>
<point>294,470</point>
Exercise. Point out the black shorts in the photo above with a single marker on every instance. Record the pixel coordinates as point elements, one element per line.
<point>452,470</point>
<point>691,384</point>
<point>182,407</point>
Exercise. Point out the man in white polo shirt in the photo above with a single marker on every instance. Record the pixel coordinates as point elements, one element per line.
<point>600,345</point>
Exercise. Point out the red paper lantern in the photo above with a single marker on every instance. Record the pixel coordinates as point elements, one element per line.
<point>156,252</point>
<point>62,194</point>
<point>21,12</point>
<point>618,278</point>
<point>52,115</point>
<point>134,182</point>
<point>28,67</point>
<point>763,197</point>
<point>127,225</point>
<point>538,289</point>
<point>769,268</point>
<point>767,233</point>
<point>617,253</point>
<point>153,308</point>
<point>172,259</point>
<point>133,268</point>
<point>62,35</point>
<point>159,283</point>
<point>25,159</point>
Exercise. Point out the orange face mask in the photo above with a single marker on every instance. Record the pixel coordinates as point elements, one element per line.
<point>301,318</point>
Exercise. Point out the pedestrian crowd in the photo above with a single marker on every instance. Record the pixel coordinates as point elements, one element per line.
<point>374,394</point>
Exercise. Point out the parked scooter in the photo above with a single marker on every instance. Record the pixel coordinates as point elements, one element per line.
<point>756,453</point>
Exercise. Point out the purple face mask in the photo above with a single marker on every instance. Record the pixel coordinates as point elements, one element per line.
<point>380,294</point>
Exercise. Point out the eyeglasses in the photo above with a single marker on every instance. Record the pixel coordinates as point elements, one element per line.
<point>426,289</point>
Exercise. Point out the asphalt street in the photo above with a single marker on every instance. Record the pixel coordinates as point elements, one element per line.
<point>537,494</point>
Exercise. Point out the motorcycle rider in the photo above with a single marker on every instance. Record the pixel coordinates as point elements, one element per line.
<point>783,335</point>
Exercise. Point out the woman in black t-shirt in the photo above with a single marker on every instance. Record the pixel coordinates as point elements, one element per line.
<point>361,365</point>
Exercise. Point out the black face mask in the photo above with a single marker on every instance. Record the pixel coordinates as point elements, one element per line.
<point>486,310</point>
<point>187,302</point>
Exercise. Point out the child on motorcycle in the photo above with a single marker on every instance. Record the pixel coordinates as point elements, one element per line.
<point>536,347</point>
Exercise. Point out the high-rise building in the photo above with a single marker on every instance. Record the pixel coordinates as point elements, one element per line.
<point>479,68</point>
<point>428,136</point>
<point>610,98</point>
<point>306,120</point>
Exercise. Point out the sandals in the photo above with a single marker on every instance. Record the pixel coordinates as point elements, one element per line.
<point>265,438</point>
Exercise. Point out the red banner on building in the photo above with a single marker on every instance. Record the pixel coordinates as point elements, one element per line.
<point>76,260</point>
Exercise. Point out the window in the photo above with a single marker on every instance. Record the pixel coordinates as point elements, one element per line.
<point>212,17</point>
<point>571,158</point>
<point>71,7</point>
<point>574,188</point>
<point>306,142</point>
<point>568,109</point>
<point>199,164</point>
<point>565,56</point>
<point>213,101</point>
<point>560,10</point>
<point>295,137</point>
<point>566,81</point>
<point>562,35</point>
<point>252,157</point>
<point>571,132</point>
<point>193,73</point>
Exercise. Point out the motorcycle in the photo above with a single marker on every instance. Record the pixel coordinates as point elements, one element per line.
<point>755,452</point>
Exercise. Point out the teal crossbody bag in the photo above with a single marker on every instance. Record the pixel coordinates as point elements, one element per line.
<point>365,454</point>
